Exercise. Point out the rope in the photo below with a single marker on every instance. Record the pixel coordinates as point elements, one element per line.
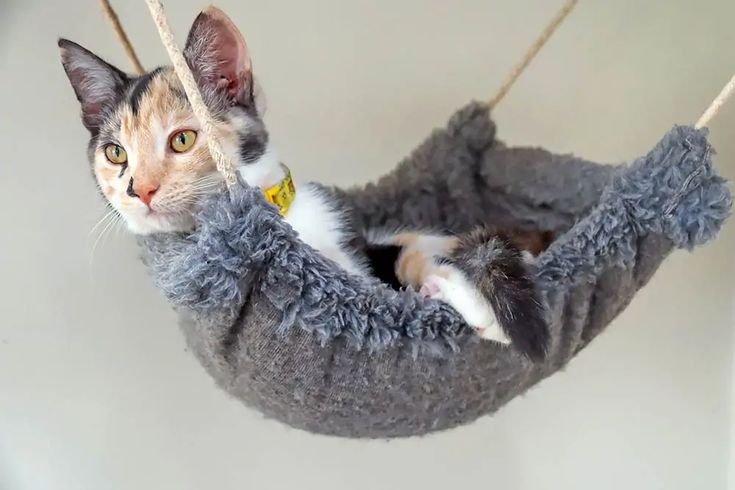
<point>224,164</point>
<point>543,38</point>
<point>122,36</point>
<point>714,107</point>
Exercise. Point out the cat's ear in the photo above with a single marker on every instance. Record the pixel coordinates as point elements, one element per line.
<point>219,57</point>
<point>96,83</point>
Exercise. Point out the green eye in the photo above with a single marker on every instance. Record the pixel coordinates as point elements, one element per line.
<point>183,140</point>
<point>116,154</point>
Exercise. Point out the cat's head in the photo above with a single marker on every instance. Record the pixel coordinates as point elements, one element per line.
<point>149,158</point>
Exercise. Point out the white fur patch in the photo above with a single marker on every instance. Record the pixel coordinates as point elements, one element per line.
<point>264,172</point>
<point>311,215</point>
<point>322,227</point>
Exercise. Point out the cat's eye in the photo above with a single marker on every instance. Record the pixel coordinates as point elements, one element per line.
<point>183,140</point>
<point>116,154</point>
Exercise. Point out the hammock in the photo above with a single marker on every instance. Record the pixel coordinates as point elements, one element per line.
<point>291,334</point>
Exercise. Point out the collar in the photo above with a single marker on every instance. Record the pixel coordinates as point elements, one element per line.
<point>283,193</point>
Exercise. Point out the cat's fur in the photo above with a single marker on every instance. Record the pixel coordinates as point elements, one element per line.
<point>482,275</point>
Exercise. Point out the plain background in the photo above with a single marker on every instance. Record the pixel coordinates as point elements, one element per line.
<point>97,390</point>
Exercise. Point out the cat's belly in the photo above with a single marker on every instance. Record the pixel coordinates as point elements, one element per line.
<point>322,226</point>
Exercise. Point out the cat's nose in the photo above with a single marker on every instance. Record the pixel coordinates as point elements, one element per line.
<point>144,191</point>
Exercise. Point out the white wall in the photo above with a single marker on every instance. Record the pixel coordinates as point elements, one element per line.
<point>97,390</point>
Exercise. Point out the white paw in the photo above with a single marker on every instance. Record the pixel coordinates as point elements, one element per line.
<point>493,333</point>
<point>431,288</point>
<point>453,288</point>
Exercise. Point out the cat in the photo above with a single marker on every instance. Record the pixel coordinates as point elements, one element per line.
<point>153,166</point>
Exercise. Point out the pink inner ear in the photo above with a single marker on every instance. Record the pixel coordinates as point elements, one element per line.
<point>233,69</point>
<point>231,53</point>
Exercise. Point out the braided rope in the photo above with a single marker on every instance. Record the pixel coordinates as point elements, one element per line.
<point>539,43</point>
<point>716,104</point>
<point>122,36</point>
<point>224,164</point>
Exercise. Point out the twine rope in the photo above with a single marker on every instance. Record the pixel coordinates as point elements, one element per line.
<point>225,165</point>
<point>716,104</point>
<point>539,43</point>
<point>122,36</point>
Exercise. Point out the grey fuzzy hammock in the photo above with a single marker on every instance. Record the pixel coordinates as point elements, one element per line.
<point>291,334</point>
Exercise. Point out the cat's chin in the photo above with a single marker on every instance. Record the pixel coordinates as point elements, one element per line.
<point>161,223</point>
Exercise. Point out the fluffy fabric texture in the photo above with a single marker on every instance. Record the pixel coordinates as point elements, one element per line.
<point>289,333</point>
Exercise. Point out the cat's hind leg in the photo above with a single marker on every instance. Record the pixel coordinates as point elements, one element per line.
<point>494,262</point>
<point>449,284</point>
<point>485,276</point>
<point>421,264</point>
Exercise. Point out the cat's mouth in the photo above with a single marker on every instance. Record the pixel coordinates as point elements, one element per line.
<point>164,220</point>
<point>166,209</point>
<point>165,214</point>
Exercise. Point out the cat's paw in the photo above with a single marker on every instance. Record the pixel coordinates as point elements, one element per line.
<point>431,289</point>
<point>452,287</point>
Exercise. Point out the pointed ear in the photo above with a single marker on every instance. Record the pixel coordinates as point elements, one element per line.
<point>96,83</point>
<point>218,56</point>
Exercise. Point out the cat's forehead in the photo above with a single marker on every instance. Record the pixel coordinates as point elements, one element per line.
<point>154,97</point>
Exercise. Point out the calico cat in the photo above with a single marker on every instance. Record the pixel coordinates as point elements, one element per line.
<point>153,166</point>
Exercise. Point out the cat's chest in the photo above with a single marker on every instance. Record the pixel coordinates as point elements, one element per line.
<point>324,228</point>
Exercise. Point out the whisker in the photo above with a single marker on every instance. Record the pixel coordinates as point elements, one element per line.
<point>99,237</point>
<point>201,193</point>
<point>104,218</point>
<point>214,176</point>
<point>205,185</point>
<point>115,229</point>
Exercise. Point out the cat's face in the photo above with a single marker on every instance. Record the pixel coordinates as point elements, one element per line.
<point>150,160</point>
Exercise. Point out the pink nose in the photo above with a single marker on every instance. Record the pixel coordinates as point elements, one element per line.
<point>145,192</point>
